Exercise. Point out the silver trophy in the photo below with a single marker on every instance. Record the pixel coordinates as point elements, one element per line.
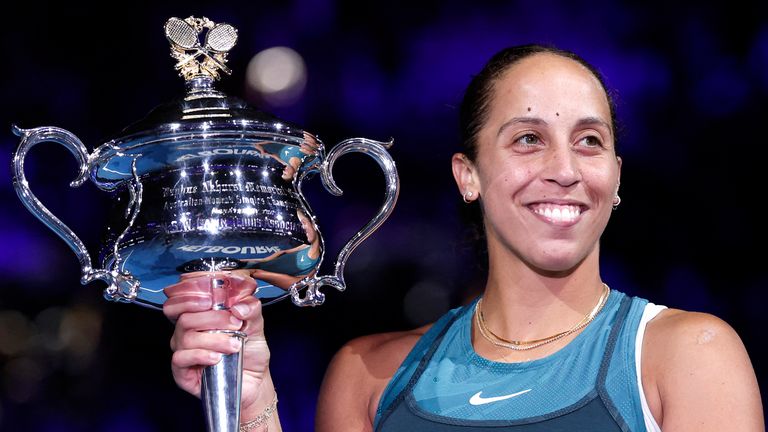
<point>208,184</point>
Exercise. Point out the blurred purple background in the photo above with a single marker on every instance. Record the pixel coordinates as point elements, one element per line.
<point>691,84</point>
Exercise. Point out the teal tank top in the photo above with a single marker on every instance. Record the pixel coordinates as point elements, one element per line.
<point>589,385</point>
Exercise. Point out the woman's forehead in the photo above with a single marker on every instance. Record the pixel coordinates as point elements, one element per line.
<point>550,82</point>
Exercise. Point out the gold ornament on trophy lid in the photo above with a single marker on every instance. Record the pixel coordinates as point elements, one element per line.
<point>193,59</point>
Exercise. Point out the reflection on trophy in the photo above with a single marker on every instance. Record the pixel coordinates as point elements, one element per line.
<point>208,184</point>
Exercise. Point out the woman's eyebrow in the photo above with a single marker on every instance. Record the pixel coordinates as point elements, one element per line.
<point>518,120</point>
<point>586,121</point>
<point>591,121</point>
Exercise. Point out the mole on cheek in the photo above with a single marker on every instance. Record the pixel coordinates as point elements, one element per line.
<point>557,114</point>
<point>529,109</point>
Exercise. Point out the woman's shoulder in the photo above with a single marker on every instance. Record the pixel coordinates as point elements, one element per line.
<point>675,331</point>
<point>389,350</point>
<point>677,340</point>
<point>381,353</point>
<point>357,376</point>
<point>696,363</point>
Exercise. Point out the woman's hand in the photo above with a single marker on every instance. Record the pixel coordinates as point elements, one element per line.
<point>189,306</point>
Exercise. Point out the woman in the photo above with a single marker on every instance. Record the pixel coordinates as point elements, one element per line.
<point>549,346</point>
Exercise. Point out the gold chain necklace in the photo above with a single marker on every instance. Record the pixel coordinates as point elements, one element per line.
<point>520,345</point>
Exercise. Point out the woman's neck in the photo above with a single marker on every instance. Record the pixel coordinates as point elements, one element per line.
<point>522,303</point>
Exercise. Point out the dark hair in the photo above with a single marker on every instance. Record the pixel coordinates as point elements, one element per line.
<point>474,107</point>
<point>473,113</point>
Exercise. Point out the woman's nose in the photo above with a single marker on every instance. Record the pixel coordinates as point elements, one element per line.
<point>562,166</point>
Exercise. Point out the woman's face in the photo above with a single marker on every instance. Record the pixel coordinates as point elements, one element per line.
<point>546,169</point>
<point>308,227</point>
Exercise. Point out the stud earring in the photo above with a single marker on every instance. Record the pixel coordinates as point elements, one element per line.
<point>616,201</point>
<point>466,197</point>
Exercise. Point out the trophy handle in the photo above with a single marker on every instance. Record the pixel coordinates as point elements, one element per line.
<point>378,151</point>
<point>122,282</point>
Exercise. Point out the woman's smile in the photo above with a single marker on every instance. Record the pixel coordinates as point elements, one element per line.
<point>562,214</point>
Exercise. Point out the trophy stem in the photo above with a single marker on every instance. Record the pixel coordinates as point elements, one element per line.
<point>221,393</point>
<point>222,382</point>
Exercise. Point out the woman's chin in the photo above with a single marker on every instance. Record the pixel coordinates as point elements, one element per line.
<point>560,265</point>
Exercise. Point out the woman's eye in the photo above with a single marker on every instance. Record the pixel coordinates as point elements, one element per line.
<point>528,140</point>
<point>591,141</point>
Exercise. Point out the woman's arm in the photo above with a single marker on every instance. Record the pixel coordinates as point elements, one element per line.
<point>189,306</point>
<point>697,375</point>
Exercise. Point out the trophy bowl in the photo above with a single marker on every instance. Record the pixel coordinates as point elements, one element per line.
<point>207,183</point>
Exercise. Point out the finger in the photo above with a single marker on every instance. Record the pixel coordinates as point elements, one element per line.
<point>190,294</point>
<point>188,379</point>
<point>182,304</point>
<point>208,320</point>
<point>249,310</point>
<point>241,288</point>
<point>184,359</point>
<point>193,292</point>
<point>218,342</point>
<point>191,283</point>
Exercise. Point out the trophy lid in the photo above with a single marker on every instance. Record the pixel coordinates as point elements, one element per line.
<point>201,65</point>
<point>207,109</point>
<point>204,115</point>
<point>203,107</point>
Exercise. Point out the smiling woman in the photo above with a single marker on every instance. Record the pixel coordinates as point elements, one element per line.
<point>545,153</point>
<point>548,346</point>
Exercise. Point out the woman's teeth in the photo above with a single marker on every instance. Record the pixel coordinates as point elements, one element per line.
<point>558,213</point>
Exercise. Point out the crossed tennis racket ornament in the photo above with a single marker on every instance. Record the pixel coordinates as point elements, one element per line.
<point>206,185</point>
<point>195,59</point>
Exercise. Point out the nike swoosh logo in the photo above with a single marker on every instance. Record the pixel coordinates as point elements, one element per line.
<point>476,399</point>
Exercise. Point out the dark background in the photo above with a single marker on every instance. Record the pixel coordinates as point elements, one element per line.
<point>690,81</point>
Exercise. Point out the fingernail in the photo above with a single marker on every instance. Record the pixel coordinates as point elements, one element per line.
<point>215,357</point>
<point>241,309</point>
<point>235,320</point>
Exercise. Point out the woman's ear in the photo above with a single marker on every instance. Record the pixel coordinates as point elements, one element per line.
<point>465,174</point>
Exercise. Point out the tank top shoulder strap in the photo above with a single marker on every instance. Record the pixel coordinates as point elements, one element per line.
<point>619,382</point>
<point>414,364</point>
<point>610,348</point>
